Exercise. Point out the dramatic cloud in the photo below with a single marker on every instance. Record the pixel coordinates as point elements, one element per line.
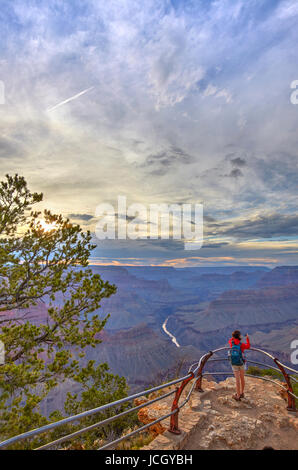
<point>166,160</point>
<point>161,101</point>
<point>262,226</point>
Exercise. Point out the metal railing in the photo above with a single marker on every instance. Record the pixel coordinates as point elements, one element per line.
<point>281,368</point>
<point>70,419</point>
<point>195,374</point>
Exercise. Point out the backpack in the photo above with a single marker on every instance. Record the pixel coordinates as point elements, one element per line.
<point>236,357</point>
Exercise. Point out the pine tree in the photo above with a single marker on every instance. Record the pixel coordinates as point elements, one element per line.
<point>44,260</point>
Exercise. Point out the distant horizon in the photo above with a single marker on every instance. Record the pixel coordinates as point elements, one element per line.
<point>115,265</point>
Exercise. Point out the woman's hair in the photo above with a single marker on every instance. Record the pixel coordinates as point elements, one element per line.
<point>236,334</point>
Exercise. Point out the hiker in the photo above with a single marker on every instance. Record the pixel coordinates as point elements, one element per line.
<point>237,361</point>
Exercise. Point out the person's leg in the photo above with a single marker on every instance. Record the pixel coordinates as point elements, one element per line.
<point>242,381</point>
<point>238,386</point>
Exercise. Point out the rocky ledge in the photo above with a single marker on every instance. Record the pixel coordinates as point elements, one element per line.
<point>214,420</point>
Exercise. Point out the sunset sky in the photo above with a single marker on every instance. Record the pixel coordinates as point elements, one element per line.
<point>162,102</point>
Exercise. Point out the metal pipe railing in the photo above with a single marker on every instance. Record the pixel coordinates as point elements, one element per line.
<point>263,352</point>
<point>84,414</point>
<point>286,367</point>
<point>196,375</point>
<point>281,368</point>
<point>104,422</point>
<point>174,412</point>
<point>251,362</point>
<point>257,350</point>
<point>274,359</point>
<point>136,431</point>
<point>250,375</point>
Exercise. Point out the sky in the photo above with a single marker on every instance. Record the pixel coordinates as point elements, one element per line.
<point>161,101</point>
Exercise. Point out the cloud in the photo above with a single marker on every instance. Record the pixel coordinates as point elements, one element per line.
<point>215,245</point>
<point>173,70</point>
<point>127,217</point>
<point>208,219</point>
<point>84,217</point>
<point>262,226</point>
<point>177,113</point>
<point>10,148</point>
<point>238,162</point>
<point>235,173</point>
<point>165,160</point>
<point>224,93</point>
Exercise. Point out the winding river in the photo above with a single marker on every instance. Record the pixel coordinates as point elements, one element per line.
<point>164,327</point>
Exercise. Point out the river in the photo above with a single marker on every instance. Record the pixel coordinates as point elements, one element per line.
<point>164,327</point>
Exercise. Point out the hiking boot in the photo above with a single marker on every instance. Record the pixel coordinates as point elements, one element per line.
<point>242,395</point>
<point>236,397</point>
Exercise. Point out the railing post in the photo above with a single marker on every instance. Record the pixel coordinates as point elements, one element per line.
<point>175,406</point>
<point>291,400</point>
<point>198,386</point>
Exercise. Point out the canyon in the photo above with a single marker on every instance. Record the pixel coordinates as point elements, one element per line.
<point>157,309</point>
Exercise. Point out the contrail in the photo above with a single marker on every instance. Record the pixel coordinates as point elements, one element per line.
<point>70,99</point>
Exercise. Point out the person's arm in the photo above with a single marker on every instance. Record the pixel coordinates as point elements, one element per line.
<point>247,344</point>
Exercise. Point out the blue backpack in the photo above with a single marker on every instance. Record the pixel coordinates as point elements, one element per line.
<point>236,357</point>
